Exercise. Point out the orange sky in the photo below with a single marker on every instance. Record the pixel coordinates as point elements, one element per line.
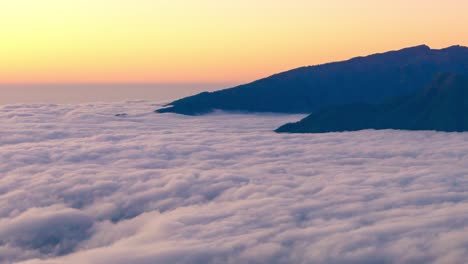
<point>188,41</point>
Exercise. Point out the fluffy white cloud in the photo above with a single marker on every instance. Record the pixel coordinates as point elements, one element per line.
<point>80,185</point>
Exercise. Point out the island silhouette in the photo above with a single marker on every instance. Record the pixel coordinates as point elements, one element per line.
<point>416,88</point>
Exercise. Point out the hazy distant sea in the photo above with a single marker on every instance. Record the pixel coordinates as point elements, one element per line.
<point>84,93</point>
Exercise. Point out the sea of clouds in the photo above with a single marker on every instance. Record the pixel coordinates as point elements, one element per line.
<point>81,185</point>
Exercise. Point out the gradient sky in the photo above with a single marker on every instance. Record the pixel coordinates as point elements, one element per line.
<point>188,41</point>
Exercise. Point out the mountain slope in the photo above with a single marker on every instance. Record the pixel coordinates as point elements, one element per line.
<point>369,79</point>
<point>442,106</point>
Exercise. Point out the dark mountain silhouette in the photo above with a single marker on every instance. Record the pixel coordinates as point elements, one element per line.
<point>441,106</point>
<point>369,79</point>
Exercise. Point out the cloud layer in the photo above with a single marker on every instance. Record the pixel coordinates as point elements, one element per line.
<point>80,185</point>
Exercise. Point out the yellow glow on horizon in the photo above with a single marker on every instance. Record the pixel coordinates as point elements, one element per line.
<point>207,40</point>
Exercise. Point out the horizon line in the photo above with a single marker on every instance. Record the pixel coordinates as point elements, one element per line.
<point>114,83</point>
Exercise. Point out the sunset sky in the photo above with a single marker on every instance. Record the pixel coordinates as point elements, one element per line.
<point>174,41</point>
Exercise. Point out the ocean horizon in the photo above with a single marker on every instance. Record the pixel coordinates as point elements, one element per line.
<point>95,92</point>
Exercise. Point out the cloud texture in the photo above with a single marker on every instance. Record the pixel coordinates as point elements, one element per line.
<point>80,185</point>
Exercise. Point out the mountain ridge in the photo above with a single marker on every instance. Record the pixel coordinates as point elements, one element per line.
<point>441,106</point>
<point>366,79</point>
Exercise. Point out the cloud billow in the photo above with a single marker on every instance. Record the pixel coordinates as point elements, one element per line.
<point>80,185</point>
